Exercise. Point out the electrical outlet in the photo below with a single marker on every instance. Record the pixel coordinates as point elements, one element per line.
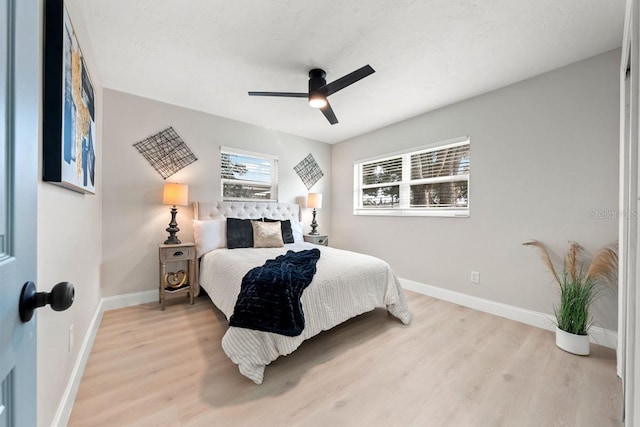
<point>70,338</point>
<point>475,277</point>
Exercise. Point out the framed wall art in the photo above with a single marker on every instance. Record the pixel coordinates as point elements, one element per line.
<point>69,125</point>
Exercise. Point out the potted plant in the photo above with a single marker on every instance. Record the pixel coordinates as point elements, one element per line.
<point>578,291</point>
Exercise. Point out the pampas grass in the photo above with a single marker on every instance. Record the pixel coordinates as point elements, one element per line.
<point>604,265</point>
<point>546,259</point>
<point>578,290</point>
<point>572,260</point>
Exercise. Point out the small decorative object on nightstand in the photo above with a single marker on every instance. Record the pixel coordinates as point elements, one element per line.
<point>178,282</point>
<point>316,239</point>
<point>314,200</point>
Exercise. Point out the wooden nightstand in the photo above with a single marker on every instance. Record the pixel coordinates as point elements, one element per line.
<point>169,282</point>
<point>317,239</point>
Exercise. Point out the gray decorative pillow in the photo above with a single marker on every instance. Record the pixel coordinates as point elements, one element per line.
<point>267,234</point>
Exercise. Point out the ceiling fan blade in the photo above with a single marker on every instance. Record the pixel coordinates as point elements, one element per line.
<point>347,80</point>
<point>283,94</point>
<point>329,114</point>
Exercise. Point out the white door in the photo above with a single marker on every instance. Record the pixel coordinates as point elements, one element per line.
<point>19,123</point>
<point>629,302</point>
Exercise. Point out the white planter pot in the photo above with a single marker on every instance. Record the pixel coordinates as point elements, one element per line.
<point>576,344</point>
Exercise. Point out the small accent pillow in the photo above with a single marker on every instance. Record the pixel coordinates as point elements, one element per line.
<point>287,234</point>
<point>296,230</point>
<point>239,233</point>
<point>267,234</point>
<point>209,235</point>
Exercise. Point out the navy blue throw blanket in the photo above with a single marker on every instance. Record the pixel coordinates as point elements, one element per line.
<point>269,298</point>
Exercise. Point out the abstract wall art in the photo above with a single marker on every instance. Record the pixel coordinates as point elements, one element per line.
<point>69,140</point>
<point>309,171</point>
<point>166,152</point>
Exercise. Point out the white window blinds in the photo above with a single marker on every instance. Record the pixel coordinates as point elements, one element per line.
<point>248,176</point>
<point>430,180</point>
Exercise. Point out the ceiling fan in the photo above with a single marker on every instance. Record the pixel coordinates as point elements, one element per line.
<point>319,89</point>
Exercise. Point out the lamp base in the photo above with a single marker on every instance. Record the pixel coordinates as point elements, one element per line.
<point>173,229</point>
<point>314,225</point>
<point>172,240</point>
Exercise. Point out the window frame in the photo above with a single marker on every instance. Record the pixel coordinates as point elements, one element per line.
<point>262,156</point>
<point>406,182</point>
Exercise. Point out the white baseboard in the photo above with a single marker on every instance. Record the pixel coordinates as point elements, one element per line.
<point>63,413</point>
<point>597,334</point>
<point>127,300</point>
<point>109,303</point>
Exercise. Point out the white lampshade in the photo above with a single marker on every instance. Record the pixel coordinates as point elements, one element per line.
<point>314,200</point>
<point>175,194</point>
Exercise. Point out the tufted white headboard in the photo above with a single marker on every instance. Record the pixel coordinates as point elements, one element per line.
<point>246,210</point>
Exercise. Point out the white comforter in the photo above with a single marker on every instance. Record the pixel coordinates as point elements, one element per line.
<point>345,285</point>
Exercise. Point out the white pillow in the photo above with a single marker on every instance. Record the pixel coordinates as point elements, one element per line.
<point>296,229</point>
<point>209,235</point>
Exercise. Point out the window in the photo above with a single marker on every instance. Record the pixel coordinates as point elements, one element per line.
<point>427,181</point>
<point>248,176</point>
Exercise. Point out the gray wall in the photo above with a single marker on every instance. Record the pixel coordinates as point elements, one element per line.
<point>134,217</point>
<point>544,155</point>
<point>69,249</point>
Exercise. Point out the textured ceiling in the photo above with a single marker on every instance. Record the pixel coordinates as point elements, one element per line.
<point>206,54</point>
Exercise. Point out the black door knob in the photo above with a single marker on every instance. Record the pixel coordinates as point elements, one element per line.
<point>60,298</point>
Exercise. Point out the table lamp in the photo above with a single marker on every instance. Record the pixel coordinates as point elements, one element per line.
<point>176,195</point>
<point>314,200</point>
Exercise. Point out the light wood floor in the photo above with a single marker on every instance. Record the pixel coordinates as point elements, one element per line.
<point>451,367</point>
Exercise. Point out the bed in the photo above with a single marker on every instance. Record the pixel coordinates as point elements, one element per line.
<point>345,284</point>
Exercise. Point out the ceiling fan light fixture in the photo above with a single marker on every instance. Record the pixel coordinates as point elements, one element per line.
<point>320,90</point>
<point>317,100</point>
